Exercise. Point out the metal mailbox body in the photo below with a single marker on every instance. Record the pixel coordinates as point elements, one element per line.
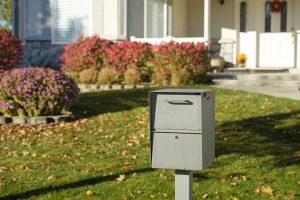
<point>182,128</point>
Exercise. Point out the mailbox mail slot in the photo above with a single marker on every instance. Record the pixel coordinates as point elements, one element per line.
<point>178,112</point>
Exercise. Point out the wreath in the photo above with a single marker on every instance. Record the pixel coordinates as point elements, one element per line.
<point>276,6</point>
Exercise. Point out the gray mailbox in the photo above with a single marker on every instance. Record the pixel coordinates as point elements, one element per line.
<point>182,128</point>
<point>182,124</point>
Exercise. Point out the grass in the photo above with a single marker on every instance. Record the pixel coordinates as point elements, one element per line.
<point>257,152</point>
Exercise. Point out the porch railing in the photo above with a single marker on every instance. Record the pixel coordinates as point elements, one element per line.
<point>168,39</point>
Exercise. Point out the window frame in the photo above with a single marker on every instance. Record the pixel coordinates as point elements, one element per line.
<point>166,19</point>
<point>26,35</point>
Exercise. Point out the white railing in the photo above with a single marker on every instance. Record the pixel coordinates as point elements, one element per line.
<point>168,39</point>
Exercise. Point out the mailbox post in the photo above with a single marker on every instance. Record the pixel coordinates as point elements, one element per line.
<point>182,132</point>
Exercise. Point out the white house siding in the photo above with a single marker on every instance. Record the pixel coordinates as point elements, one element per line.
<point>111,19</point>
<point>297,29</point>
<point>222,16</point>
<point>97,19</point>
<point>195,18</point>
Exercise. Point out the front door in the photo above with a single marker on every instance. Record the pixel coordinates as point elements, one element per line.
<point>277,42</point>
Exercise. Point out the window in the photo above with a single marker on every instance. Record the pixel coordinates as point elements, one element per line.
<point>70,18</point>
<point>267,17</point>
<point>151,12</point>
<point>135,18</point>
<point>155,18</point>
<point>38,20</point>
<point>283,22</point>
<point>243,16</point>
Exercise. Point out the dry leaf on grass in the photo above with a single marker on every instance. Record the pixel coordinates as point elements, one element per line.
<point>265,190</point>
<point>51,177</point>
<point>89,193</point>
<point>205,196</point>
<point>235,198</point>
<point>121,178</point>
<point>124,152</point>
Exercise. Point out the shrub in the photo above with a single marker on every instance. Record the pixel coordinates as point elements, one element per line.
<point>86,53</point>
<point>88,76</point>
<point>161,76</point>
<point>108,75</point>
<point>10,50</point>
<point>176,56</point>
<point>132,76</point>
<point>36,92</point>
<point>125,55</point>
<point>74,75</point>
<point>180,77</point>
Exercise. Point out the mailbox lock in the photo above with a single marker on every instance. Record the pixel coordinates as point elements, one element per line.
<point>176,137</point>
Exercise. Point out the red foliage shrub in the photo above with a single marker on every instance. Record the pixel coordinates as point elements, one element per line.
<point>86,53</point>
<point>10,50</point>
<point>125,55</point>
<point>177,56</point>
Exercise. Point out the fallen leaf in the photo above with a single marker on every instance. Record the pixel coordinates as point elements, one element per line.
<point>292,194</point>
<point>205,196</point>
<point>51,177</point>
<point>124,152</point>
<point>25,153</point>
<point>3,169</point>
<point>89,193</point>
<point>266,190</point>
<point>235,198</point>
<point>121,178</point>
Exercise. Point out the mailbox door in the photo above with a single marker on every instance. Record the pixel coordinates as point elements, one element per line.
<point>177,151</point>
<point>178,112</point>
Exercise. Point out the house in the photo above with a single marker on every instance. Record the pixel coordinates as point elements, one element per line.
<point>267,31</point>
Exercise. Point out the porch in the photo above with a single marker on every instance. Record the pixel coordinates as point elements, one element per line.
<point>268,38</point>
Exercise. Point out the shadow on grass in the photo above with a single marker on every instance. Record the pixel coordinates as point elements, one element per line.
<point>277,135</point>
<point>80,183</point>
<point>96,103</point>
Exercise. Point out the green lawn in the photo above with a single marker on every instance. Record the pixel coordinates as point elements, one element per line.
<point>257,152</point>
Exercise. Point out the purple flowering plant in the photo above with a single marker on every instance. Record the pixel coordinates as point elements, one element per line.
<point>36,92</point>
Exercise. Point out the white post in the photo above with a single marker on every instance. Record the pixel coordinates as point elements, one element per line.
<point>207,14</point>
<point>183,185</point>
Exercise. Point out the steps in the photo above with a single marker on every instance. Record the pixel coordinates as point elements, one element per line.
<point>248,83</point>
<point>254,71</point>
<point>276,79</point>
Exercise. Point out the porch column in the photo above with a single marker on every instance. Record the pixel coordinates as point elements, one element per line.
<point>207,13</point>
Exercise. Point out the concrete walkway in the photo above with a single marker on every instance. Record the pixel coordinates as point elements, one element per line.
<point>285,92</point>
